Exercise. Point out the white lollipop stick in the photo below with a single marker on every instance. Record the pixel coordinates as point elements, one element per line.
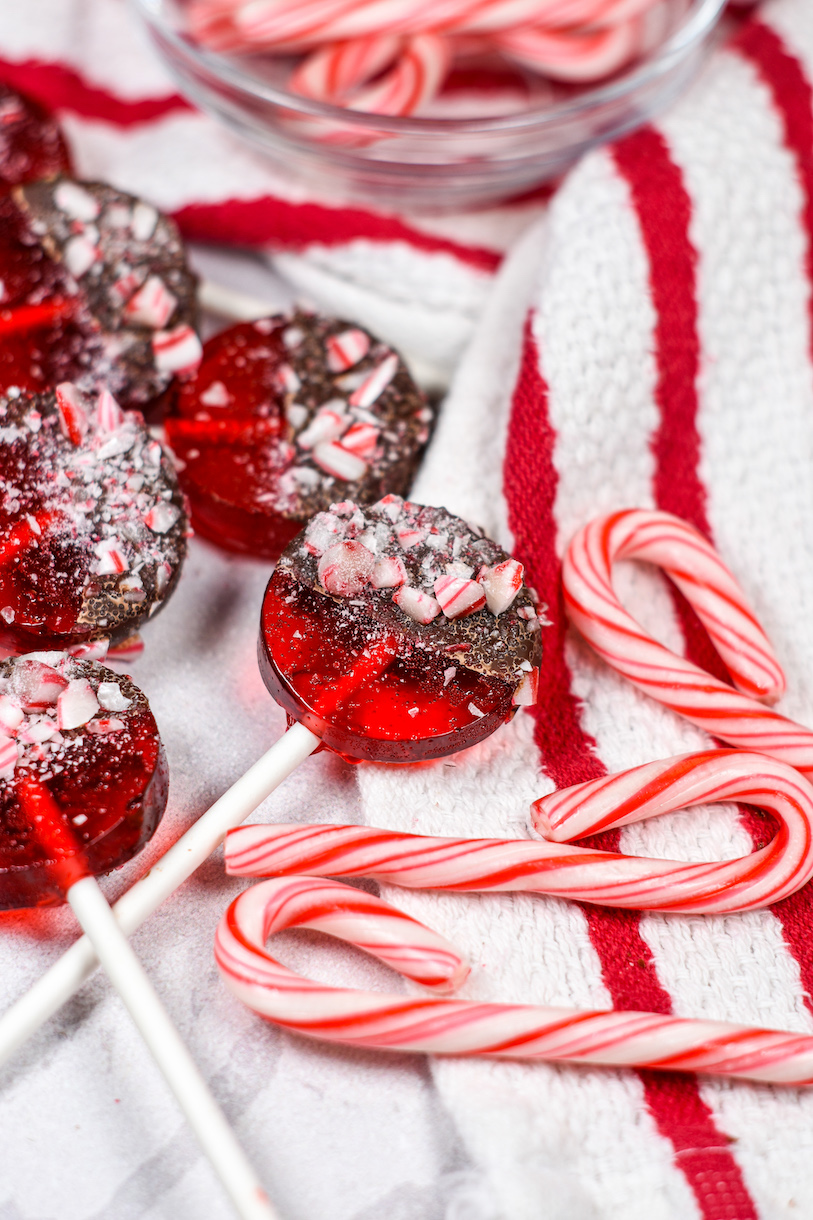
<point>202,1112</point>
<point>228,303</point>
<point>67,975</point>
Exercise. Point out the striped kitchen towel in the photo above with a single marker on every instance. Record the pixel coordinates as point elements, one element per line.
<point>650,345</point>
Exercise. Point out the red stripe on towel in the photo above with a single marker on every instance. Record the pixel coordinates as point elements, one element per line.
<point>58,87</point>
<point>793,99</point>
<point>292,226</point>
<point>568,754</point>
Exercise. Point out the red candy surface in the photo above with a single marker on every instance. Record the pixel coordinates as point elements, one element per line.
<point>373,680</point>
<point>46,335</point>
<point>83,780</point>
<point>31,144</point>
<point>226,441</point>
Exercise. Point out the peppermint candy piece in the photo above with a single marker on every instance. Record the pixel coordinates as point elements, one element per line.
<point>346,349</point>
<point>346,568</point>
<point>177,351</point>
<point>501,584</point>
<point>459,597</point>
<point>419,606</point>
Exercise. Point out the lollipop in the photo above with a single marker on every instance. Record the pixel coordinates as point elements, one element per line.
<point>286,415</point>
<point>78,737</point>
<point>433,615</point>
<point>92,521</point>
<point>96,290</point>
<point>83,784</point>
<point>484,632</point>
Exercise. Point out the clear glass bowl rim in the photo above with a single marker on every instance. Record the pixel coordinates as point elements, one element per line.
<point>695,27</point>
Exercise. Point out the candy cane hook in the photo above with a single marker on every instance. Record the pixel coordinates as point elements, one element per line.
<point>462,1027</point>
<point>594,608</point>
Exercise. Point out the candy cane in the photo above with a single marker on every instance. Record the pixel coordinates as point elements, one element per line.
<point>593,607</point>
<point>512,865</point>
<point>574,40</point>
<point>295,25</point>
<point>340,73</point>
<point>462,1027</point>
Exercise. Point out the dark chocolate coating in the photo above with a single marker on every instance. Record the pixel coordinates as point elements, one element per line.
<point>498,646</point>
<point>121,354</point>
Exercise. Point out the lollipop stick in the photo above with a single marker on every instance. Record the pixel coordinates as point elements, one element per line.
<point>130,980</point>
<point>228,303</point>
<point>202,1112</point>
<point>68,974</point>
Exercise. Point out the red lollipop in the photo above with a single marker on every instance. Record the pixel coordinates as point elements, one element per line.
<point>95,290</point>
<point>79,743</point>
<point>398,632</point>
<point>92,521</point>
<point>286,415</point>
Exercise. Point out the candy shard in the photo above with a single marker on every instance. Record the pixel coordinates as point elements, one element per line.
<point>346,349</point>
<point>374,386</point>
<point>35,685</point>
<point>420,607</point>
<point>76,704</point>
<point>322,531</point>
<point>112,698</point>
<point>346,568</point>
<point>335,460</point>
<point>177,351</point>
<point>501,584</point>
<point>459,597</point>
<point>527,693</point>
<point>389,572</point>
<point>328,424</point>
<point>153,305</point>
<point>75,201</point>
<point>73,420</point>
<point>110,414</point>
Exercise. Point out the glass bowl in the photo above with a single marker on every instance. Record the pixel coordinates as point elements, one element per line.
<point>429,163</point>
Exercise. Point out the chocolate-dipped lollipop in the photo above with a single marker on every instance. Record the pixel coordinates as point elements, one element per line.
<point>92,521</point>
<point>287,415</point>
<point>354,692</point>
<point>443,609</point>
<point>96,290</point>
<point>84,738</point>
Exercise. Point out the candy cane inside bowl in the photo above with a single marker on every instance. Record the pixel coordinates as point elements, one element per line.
<point>447,163</point>
<point>462,1027</point>
<point>738,717</point>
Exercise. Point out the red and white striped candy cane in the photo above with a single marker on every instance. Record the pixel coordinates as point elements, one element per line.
<point>462,1027</point>
<point>500,865</point>
<point>593,607</point>
<point>574,40</point>
<point>296,25</point>
<point>344,73</point>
